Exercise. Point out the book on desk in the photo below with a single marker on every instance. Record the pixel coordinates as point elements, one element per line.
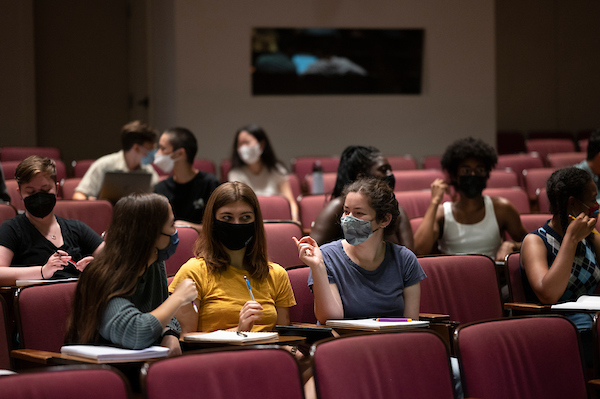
<point>110,353</point>
<point>584,302</point>
<point>375,324</point>
<point>224,336</point>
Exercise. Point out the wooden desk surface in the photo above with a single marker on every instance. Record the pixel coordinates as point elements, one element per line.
<point>56,358</point>
<point>286,340</point>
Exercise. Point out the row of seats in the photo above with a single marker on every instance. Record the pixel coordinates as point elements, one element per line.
<point>515,141</point>
<point>531,357</point>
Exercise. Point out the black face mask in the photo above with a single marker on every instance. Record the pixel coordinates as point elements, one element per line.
<point>234,236</point>
<point>471,186</point>
<point>40,204</point>
<point>390,180</point>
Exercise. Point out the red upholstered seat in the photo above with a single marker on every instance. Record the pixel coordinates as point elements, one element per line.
<point>310,206</point>
<point>409,364</point>
<point>15,197</point>
<point>275,207</point>
<point>404,162</point>
<point>81,166</point>
<point>516,195</point>
<point>328,182</point>
<point>303,166</point>
<point>502,178</point>
<point>68,187</point>
<point>532,357</point>
<point>280,245</point>
<point>432,162</point>
<point>409,180</point>
<point>225,374</point>
<point>462,286</point>
<point>536,179</point>
<point>224,169</point>
<point>564,159</point>
<point>519,162</point>
<point>532,221</point>
<point>42,312</point>
<point>4,337</point>
<point>20,153</point>
<point>516,293</point>
<point>7,212</point>
<point>9,168</point>
<point>185,250</point>
<point>416,202</point>
<point>67,382</point>
<point>549,146</point>
<point>96,214</point>
<point>303,311</point>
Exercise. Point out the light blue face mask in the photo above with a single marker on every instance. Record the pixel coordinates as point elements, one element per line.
<point>149,158</point>
<point>356,231</point>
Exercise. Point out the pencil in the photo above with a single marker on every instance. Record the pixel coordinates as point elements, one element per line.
<point>593,231</point>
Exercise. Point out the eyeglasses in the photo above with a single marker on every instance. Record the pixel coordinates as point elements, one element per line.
<point>467,170</point>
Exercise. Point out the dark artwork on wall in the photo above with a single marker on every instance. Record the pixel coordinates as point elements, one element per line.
<point>336,61</point>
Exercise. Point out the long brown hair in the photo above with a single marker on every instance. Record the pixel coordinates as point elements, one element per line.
<point>214,252</point>
<point>136,224</point>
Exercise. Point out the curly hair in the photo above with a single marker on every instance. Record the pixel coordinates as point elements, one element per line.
<point>468,148</point>
<point>355,160</point>
<point>562,184</point>
<point>380,196</point>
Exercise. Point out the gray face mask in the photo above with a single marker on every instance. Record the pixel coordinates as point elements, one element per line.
<point>356,231</point>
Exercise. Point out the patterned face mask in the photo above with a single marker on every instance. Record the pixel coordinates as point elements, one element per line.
<point>356,231</point>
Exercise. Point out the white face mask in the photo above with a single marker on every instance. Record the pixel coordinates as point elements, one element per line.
<point>250,153</point>
<point>164,162</point>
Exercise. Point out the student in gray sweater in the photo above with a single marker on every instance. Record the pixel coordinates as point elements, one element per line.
<point>122,297</point>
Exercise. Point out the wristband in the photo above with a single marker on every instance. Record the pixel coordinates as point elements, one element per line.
<point>42,272</point>
<point>170,331</point>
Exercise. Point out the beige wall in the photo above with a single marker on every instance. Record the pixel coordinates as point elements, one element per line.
<point>208,66</point>
<point>548,62</point>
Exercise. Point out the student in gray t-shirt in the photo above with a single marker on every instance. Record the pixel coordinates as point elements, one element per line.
<point>362,275</point>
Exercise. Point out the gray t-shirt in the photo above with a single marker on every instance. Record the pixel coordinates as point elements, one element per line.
<point>377,293</point>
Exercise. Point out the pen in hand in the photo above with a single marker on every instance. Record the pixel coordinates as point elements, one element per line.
<point>249,288</point>
<point>593,231</point>
<point>194,306</point>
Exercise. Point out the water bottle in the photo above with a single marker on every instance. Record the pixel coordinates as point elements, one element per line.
<point>317,178</point>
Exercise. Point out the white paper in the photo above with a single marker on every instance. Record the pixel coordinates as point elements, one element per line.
<point>109,353</point>
<point>584,302</point>
<point>374,324</point>
<point>230,336</point>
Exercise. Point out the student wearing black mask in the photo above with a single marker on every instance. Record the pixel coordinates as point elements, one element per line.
<point>51,247</point>
<point>472,223</point>
<point>231,246</point>
<point>356,162</point>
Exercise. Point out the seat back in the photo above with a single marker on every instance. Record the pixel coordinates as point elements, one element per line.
<point>304,310</point>
<point>564,159</point>
<point>7,212</point>
<point>275,207</point>
<point>20,153</point>
<point>205,165</point>
<point>531,357</point>
<point>67,382</point>
<point>295,185</point>
<point>415,203</point>
<point>549,146</point>
<point>536,179</point>
<point>516,195</point>
<point>184,252</point>
<point>543,201</point>
<point>514,279</point>
<point>280,245</point>
<point>519,162</point>
<point>533,221</point>
<point>303,166</point>
<point>432,162</point>
<point>310,206</point>
<point>404,162</point>
<point>42,312</point>
<point>415,223</point>
<point>225,374</point>
<point>410,180</point>
<point>4,337</point>
<point>328,182</point>
<point>15,197</point>
<point>68,187</point>
<point>500,178</point>
<point>81,166</point>
<point>224,169</point>
<point>462,286</point>
<point>96,214</point>
<point>409,364</point>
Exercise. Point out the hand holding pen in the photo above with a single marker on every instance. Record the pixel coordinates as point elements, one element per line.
<point>582,226</point>
<point>250,312</point>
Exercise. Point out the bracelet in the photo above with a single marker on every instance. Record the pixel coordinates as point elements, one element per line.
<point>42,272</point>
<point>170,331</point>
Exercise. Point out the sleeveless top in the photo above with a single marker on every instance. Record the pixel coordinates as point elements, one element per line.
<point>585,273</point>
<point>482,237</point>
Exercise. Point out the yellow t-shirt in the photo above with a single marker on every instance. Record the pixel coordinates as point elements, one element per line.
<point>222,296</point>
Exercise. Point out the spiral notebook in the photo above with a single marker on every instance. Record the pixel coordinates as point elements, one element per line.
<point>230,336</point>
<point>109,353</point>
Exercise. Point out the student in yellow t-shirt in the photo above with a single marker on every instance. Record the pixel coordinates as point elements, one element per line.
<point>232,245</point>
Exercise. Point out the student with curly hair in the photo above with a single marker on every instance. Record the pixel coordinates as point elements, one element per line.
<point>472,223</point>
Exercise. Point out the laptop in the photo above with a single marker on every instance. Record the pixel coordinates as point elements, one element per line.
<point>120,184</point>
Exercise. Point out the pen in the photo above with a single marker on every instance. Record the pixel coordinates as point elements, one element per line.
<point>249,288</point>
<point>194,306</point>
<point>392,319</point>
<point>593,231</point>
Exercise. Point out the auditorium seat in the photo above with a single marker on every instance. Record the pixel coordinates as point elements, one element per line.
<point>303,166</point>
<point>295,186</point>
<point>68,187</point>
<point>5,338</point>
<point>81,166</point>
<point>310,206</point>
<point>533,221</point>
<point>224,169</point>
<point>184,252</point>
<point>404,162</point>
<point>516,195</point>
<point>519,162</point>
<point>20,153</point>
<point>432,162</point>
<point>406,364</point>
<point>275,207</point>
<point>9,168</point>
<point>416,202</point>
<point>502,178</point>
<point>7,212</point>
<point>95,214</point>
<point>514,279</point>
<point>410,180</point>
<point>549,146</point>
<point>328,183</point>
<point>205,165</point>
<point>304,310</point>
<point>280,245</point>
<point>15,197</point>
<point>249,373</point>
<point>524,357</point>
<point>564,159</point>
<point>543,201</point>
<point>536,179</point>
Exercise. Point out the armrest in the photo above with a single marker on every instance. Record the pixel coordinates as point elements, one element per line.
<point>527,307</point>
<point>47,358</point>
<point>433,317</point>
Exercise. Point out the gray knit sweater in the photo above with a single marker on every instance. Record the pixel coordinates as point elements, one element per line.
<point>126,322</point>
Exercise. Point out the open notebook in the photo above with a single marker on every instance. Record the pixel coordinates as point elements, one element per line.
<point>374,324</point>
<point>109,353</point>
<point>584,302</point>
<point>230,336</point>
